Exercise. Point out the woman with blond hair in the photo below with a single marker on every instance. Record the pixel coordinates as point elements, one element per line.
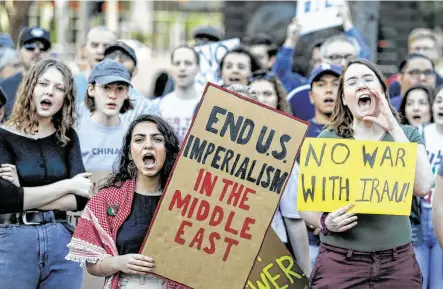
<point>368,250</point>
<point>41,177</point>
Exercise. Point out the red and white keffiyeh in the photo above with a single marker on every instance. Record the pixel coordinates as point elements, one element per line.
<point>96,233</point>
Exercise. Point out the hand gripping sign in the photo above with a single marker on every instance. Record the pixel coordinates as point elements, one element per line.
<point>223,192</point>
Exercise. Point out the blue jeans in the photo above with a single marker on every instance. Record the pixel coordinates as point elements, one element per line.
<point>33,257</point>
<point>429,254</point>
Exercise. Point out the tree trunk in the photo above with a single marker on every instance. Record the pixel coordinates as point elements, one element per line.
<point>17,17</point>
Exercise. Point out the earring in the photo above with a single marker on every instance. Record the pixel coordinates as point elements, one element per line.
<point>132,169</point>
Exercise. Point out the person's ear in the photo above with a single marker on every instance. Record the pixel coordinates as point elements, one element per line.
<point>91,90</point>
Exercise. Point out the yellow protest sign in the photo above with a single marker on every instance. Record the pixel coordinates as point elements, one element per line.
<point>378,177</point>
<point>275,268</point>
<point>223,192</point>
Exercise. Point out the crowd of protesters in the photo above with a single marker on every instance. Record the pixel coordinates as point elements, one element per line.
<point>58,126</point>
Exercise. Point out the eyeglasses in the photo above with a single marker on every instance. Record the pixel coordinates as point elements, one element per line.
<point>119,91</point>
<point>262,74</point>
<point>365,80</point>
<point>34,45</point>
<point>337,58</point>
<point>416,73</point>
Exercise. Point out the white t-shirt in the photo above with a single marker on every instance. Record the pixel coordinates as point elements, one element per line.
<point>288,206</point>
<point>434,147</point>
<point>100,145</point>
<point>178,112</point>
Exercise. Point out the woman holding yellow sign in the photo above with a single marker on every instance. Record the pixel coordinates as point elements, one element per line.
<point>368,249</point>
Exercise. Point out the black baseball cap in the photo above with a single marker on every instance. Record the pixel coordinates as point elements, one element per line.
<point>209,32</point>
<point>30,34</point>
<point>108,71</point>
<point>120,45</point>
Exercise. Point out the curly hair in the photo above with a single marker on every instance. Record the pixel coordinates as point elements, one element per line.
<point>122,172</point>
<point>342,118</point>
<point>24,116</point>
<point>282,102</point>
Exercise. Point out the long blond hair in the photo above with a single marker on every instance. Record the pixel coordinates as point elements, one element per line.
<point>342,118</point>
<point>23,115</point>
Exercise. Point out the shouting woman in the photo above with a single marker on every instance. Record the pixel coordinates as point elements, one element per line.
<point>357,251</point>
<point>42,177</point>
<point>113,225</point>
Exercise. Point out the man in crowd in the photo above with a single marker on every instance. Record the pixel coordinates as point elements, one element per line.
<point>98,39</point>
<point>178,106</point>
<point>323,95</point>
<point>339,49</point>
<point>33,46</point>
<point>260,46</point>
<point>125,54</point>
<point>415,69</point>
<point>420,41</point>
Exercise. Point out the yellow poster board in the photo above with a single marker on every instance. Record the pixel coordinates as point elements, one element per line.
<point>275,267</point>
<point>223,192</point>
<point>378,177</point>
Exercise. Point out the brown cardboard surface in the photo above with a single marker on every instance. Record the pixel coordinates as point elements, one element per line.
<point>215,211</point>
<point>275,267</point>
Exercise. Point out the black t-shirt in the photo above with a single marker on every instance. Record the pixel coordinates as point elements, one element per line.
<point>39,162</point>
<point>132,233</point>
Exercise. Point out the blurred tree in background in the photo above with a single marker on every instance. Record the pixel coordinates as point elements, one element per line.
<point>13,16</point>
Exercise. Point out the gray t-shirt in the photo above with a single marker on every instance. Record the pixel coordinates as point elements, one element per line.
<point>100,145</point>
<point>374,232</point>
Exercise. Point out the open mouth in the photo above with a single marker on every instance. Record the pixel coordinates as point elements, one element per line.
<point>364,100</point>
<point>329,100</point>
<point>46,103</point>
<point>182,76</point>
<point>111,105</point>
<point>149,160</point>
<point>416,117</point>
<point>234,79</point>
<point>440,114</point>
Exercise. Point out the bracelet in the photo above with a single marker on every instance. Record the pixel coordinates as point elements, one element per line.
<point>101,270</point>
<point>324,229</point>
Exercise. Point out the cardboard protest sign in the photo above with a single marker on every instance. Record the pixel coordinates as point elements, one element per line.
<point>97,178</point>
<point>210,58</point>
<point>223,192</point>
<point>275,268</point>
<point>378,177</point>
<point>315,15</point>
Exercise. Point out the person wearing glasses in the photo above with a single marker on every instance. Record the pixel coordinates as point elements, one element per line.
<point>420,41</point>
<point>415,69</point>
<point>33,46</point>
<point>368,250</point>
<point>101,131</point>
<point>338,49</point>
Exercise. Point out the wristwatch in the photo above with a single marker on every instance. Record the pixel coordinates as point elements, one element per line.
<point>324,229</point>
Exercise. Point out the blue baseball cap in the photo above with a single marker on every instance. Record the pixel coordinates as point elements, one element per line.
<point>324,68</point>
<point>6,40</point>
<point>120,45</point>
<point>108,71</point>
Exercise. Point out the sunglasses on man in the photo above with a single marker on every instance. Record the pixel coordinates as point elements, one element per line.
<point>34,45</point>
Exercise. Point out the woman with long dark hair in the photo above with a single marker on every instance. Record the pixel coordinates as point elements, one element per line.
<point>359,250</point>
<point>416,106</point>
<point>112,228</point>
<point>42,177</point>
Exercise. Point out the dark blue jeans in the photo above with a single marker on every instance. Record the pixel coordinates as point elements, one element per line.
<point>33,257</point>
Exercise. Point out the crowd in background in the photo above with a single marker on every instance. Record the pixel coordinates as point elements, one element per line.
<point>51,114</point>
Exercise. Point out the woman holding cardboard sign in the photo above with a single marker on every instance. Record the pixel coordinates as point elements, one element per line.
<point>114,224</point>
<point>357,251</point>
